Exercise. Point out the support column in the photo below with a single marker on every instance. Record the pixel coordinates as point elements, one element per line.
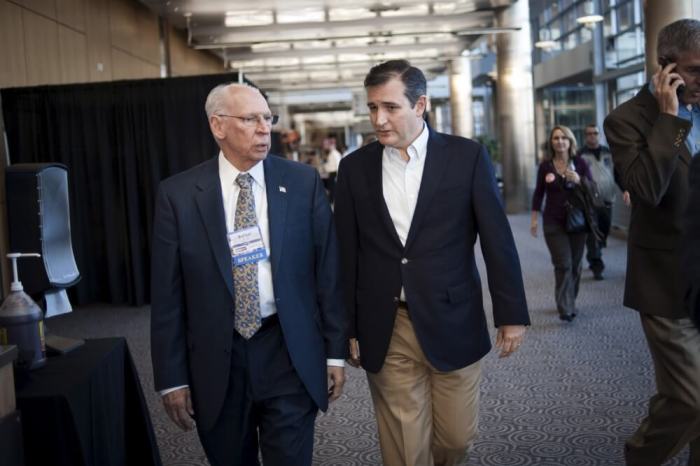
<point>599,86</point>
<point>461,97</point>
<point>516,116</point>
<point>659,13</point>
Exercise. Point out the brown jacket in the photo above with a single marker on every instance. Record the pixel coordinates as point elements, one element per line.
<point>652,160</point>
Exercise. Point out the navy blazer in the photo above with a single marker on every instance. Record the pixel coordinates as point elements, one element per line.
<point>192,312</point>
<point>458,200</point>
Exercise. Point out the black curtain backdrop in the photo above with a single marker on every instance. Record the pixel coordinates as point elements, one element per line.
<point>118,140</point>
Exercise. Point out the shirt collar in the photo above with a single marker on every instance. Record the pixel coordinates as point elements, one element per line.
<point>417,149</point>
<point>228,173</point>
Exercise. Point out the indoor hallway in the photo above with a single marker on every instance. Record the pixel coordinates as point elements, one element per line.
<point>570,396</point>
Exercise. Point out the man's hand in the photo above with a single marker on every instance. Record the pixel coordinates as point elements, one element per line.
<point>509,338</point>
<point>354,359</point>
<point>666,84</point>
<point>336,380</point>
<point>626,198</point>
<point>178,405</point>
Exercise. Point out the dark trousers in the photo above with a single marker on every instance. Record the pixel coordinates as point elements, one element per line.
<point>594,253</point>
<point>329,184</point>
<point>266,407</point>
<point>673,420</point>
<point>566,251</point>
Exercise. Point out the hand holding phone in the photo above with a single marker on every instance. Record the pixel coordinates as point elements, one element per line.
<point>669,87</point>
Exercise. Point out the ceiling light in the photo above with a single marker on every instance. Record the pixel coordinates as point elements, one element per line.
<point>588,16</point>
<point>589,21</point>
<point>346,14</point>
<point>545,45</point>
<point>303,15</point>
<point>248,18</point>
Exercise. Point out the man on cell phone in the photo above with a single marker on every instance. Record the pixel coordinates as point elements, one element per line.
<point>653,138</point>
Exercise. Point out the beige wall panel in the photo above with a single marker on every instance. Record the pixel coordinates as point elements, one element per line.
<point>73,55</point>
<point>125,66</point>
<point>72,13</point>
<point>99,49</point>
<point>13,71</point>
<point>43,7</point>
<point>122,24</point>
<point>41,49</point>
<point>186,61</point>
<point>148,38</point>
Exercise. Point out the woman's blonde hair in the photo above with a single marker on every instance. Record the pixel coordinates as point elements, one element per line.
<point>568,134</point>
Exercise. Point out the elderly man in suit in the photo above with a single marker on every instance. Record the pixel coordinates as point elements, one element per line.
<point>247,321</point>
<point>408,210</point>
<point>653,138</point>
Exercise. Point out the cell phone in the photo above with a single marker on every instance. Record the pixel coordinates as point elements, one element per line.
<point>664,62</point>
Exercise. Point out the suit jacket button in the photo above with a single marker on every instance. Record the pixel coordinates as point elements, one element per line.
<point>404,261</point>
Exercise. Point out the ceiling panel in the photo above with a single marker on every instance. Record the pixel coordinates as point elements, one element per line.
<point>329,43</point>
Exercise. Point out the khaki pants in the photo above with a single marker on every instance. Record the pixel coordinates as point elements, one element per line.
<point>425,417</point>
<point>673,420</point>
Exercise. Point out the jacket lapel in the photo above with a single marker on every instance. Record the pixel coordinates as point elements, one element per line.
<point>435,164</point>
<point>211,208</point>
<point>276,207</point>
<point>376,190</point>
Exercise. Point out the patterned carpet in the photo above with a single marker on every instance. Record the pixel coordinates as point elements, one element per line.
<point>570,397</point>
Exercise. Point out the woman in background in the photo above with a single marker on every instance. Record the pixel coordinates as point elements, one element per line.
<point>558,174</point>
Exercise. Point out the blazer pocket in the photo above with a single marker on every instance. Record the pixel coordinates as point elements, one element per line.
<point>458,293</point>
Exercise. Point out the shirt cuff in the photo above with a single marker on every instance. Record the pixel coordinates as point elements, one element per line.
<point>335,362</point>
<point>168,390</point>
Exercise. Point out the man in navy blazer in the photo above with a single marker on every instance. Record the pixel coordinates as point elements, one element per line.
<point>408,210</point>
<point>246,356</point>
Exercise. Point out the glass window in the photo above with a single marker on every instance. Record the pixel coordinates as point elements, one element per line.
<point>625,16</point>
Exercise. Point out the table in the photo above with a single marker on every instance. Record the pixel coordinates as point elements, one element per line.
<point>86,408</point>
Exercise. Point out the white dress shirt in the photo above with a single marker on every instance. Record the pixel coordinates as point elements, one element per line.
<point>401,183</point>
<point>229,192</point>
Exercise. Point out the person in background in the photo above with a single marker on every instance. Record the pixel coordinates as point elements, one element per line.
<point>653,138</point>
<point>247,320</point>
<point>331,161</point>
<point>600,164</point>
<point>558,174</point>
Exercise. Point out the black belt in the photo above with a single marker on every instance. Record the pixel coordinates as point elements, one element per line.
<point>268,322</point>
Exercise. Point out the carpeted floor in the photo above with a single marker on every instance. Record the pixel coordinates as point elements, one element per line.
<point>571,395</point>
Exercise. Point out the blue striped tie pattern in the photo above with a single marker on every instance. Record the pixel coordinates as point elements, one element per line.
<point>245,277</point>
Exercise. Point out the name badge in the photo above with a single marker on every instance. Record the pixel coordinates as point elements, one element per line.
<point>247,246</point>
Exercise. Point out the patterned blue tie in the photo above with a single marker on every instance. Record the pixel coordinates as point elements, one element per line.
<point>245,277</point>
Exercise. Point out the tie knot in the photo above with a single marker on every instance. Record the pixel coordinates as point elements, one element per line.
<point>244,180</point>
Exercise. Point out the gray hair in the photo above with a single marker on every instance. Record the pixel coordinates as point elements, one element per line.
<point>678,37</point>
<point>216,100</point>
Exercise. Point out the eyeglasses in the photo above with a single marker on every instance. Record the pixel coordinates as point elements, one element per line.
<point>253,120</point>
<point>591,133</point>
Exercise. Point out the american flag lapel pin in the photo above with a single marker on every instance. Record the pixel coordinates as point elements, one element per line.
<point>283,189</point>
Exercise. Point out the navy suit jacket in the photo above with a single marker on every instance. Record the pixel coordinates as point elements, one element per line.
<point>192,312</point>
<point>458,200</point>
